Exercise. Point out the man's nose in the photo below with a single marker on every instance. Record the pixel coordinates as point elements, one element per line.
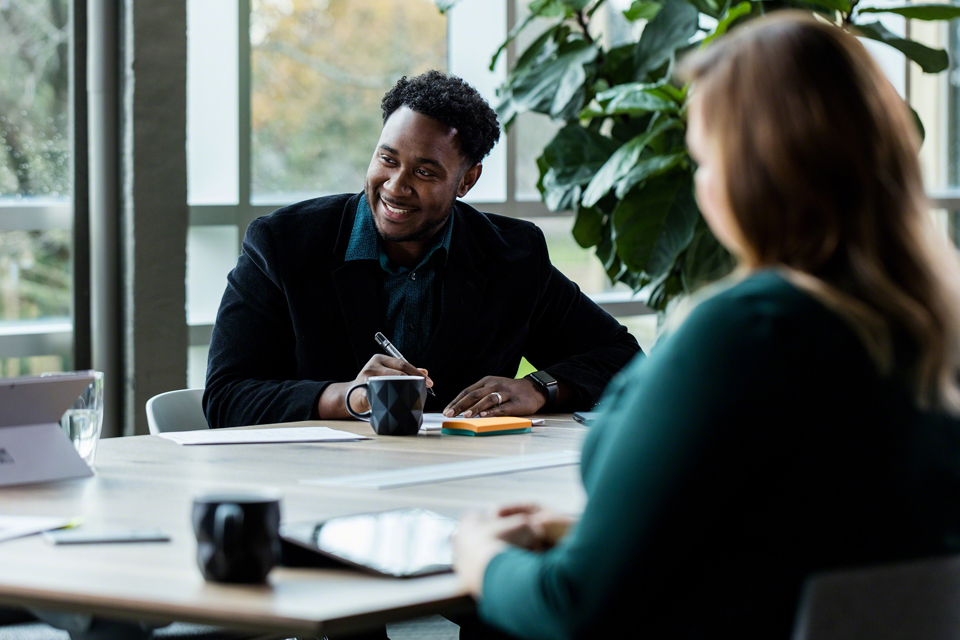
<point>398,182</point>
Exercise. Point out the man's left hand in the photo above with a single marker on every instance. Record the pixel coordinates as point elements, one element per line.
<point>493,396</point>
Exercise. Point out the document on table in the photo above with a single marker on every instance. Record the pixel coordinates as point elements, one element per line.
<point>428,474</point>
<point>261,436</point>
<point>20,526</point>
<point>434,421</point>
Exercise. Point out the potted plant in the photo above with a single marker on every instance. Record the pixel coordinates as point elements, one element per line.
<point>620,161</point>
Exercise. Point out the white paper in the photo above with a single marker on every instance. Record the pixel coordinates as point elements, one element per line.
<point>261,436</point>
<point>395,478</point>
<point>434,421</point>
<point>19,526</point>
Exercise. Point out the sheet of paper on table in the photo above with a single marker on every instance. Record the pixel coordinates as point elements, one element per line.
<point>431,473</point>
<point>434,421</point>
<point>20,526</point>
<point>261,436</point>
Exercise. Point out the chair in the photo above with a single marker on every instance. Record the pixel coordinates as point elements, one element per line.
<point>176,411</point>
<point>904,601</point>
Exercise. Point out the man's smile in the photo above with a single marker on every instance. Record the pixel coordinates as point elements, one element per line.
<point>395,212</point>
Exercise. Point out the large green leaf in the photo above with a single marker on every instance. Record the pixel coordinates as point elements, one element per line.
<point>632,98</point>
<point>673,27</point>
<point>843,6</point>
<point>571,159</point>
<point>705,260</point>
<point>588,227</point>
<point>642,10</point>
<point>647,168</point>
<point>551,87</point>
<point>709,7</point>
<point>575,150</point>
<point>653,224</point>
<point>538,9</point>
<point>622,161</point>
<point>733,14</point>
<point>930,60</point>
<point>919,11</point>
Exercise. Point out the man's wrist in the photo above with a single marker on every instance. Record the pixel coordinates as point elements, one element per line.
<point>545,384</point>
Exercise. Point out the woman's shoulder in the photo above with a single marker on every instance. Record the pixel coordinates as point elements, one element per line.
<point>763,299</point>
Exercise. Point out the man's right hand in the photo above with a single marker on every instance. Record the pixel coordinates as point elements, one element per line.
<point>332,403</point>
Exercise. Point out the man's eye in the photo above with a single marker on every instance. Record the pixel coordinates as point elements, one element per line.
<point>386,159</point>
<point>425,173</point>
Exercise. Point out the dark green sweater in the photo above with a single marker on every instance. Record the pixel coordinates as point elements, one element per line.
<point>755,445</point>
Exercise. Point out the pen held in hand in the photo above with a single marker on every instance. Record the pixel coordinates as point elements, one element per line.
<point>392,351</point>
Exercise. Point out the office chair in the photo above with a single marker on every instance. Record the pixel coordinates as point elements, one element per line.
<point>176,411</point>
<point>904,601</point>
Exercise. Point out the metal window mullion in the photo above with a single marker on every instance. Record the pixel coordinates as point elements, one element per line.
<point>244,133</point>
<point>82,338</point>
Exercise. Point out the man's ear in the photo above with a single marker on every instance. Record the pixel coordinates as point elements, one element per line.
<point>469,179</point>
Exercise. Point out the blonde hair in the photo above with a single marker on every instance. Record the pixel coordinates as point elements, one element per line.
<point>821,166</point>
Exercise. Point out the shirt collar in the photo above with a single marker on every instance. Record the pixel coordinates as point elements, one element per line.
<point>365,244</point>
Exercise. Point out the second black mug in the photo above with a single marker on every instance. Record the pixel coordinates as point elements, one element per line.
<point>238,536</point>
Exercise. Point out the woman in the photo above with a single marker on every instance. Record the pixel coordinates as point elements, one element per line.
<point>803,415</point>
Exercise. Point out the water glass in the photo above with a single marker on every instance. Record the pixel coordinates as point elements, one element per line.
<point>82,422</point>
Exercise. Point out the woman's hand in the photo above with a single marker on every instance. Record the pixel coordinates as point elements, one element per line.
<point>481,536</point>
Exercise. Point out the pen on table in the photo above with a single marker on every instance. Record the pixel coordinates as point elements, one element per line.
<point>392,351</point>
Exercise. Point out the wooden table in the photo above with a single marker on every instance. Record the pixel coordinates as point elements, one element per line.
<point>150,482</point>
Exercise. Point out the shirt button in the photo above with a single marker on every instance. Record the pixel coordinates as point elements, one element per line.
<point>413,276</point>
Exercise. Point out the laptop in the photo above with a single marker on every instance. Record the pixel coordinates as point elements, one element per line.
<point>33,447</point>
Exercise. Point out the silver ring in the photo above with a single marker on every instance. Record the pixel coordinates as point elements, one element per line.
<point>499,397</point>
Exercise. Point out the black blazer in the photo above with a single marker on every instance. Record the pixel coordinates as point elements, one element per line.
<point>296,317</point>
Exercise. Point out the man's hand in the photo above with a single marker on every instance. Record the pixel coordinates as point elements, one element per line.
<point>332,403</point>
<point>494,396</point>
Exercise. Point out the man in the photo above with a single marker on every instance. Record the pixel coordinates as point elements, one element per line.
<point>463,295</point>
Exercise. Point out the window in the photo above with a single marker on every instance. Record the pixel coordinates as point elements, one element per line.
<point>35,187</point>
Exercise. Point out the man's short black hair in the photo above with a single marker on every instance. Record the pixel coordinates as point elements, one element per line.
<point>449,100</point>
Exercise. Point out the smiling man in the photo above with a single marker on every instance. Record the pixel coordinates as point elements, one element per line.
<point>462,294</point>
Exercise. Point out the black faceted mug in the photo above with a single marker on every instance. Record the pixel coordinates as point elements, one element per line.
<point>238,536</point>
<point>396,404</point>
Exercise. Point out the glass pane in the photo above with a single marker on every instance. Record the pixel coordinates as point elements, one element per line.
<point>33,366</point>
<point>476,29</point>
<point>34,99</point>
<point>35,174</point>
<point>197,366</point>
<point>211,254</point>
<point>212,102</point>
<point>319,70</point>
<point>35,270</point>
<point>579,264</point>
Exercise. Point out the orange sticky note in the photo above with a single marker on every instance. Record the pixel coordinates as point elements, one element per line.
<point>485,426</point>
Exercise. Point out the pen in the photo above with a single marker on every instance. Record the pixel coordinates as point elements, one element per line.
<point>392,350</point>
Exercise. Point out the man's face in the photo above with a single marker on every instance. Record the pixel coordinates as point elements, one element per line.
<point>415,176</point>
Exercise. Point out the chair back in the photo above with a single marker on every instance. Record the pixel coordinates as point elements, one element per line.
<point>179,410</point>
<point>904,601</point>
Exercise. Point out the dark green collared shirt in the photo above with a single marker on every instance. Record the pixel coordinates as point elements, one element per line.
<point>411,297</point>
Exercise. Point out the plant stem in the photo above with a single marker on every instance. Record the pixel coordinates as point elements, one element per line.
<point>584,23</point>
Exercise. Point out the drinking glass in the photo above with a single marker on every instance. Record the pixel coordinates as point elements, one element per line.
<point>82,422</point>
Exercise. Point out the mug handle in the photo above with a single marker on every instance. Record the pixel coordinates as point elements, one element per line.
<point>360,416</point>
<point>227,527</point>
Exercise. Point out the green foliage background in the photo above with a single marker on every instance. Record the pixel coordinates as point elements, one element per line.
<point>620,161</point>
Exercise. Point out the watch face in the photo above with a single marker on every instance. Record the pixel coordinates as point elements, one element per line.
<point>543,378</point>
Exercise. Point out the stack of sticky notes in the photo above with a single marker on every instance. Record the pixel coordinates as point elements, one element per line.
<point>485,426</point>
